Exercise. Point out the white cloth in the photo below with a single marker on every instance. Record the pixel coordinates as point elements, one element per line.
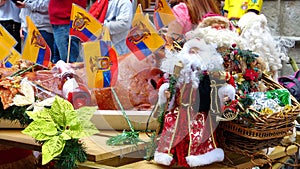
<point>9,11</point>
<point>118,19</point>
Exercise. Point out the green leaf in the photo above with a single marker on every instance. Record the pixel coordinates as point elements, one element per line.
<point>41,129</point>
<point>42,114</point>
<point>52,148</point>
<point>72,118</point>
<point>58,109</point>
<point>75,134</point>
<point>65,136</point>
<point>89,128</point>
<point>86,113</point>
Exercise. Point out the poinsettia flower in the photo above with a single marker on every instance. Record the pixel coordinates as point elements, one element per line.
<point>53,126</point>
<point>250,75</point>
<point>28,94</point>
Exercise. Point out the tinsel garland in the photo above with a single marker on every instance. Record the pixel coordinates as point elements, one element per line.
<point>127,137</point>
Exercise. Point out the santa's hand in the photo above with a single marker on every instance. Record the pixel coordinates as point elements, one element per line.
<point>20,4</point>
<point>167,94</point>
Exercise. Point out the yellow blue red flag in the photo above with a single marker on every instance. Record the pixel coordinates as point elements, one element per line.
<point>8,56</point>
<point>143,39</point>
<point>6,38</point>
<point>101,62</point>
<point>36,49</point>
<point>163,14</point>
<point>106,37</point>
<point>4,52</point>
<point>83,25</point>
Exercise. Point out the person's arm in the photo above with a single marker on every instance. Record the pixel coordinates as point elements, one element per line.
<point>2,2</point>
<point>225,8</point>
<point>123,18</point>
<point>40,5</point>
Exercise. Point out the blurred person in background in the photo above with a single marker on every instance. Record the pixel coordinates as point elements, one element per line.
<point>235,9</point>
<point>59,13</point>
<point>37,10</point>
<point>9,19</point>
<point>117,16</point>
<point>188,14</point>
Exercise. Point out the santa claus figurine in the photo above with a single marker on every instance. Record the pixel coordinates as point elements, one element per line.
<point>187,137</point>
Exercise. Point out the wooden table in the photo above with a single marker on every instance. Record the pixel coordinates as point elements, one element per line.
<point>101,155</point>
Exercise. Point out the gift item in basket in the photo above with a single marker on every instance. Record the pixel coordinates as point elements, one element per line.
<point>254,129</point>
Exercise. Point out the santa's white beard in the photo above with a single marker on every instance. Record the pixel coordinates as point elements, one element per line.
<point>196,57</point>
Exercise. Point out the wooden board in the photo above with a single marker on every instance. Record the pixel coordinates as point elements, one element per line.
<point>14,137</point>
<point>114,119</point>
<point>243,162</point>
<point>108,120</point>
<point>153,165</point>
<point>97,149</point>
<point>239,161</point>
<point>98,152</point>
<point>10,124</point>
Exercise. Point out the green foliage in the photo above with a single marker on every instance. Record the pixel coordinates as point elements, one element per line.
<point>73,152</point>
<point>127,137</point>
<point>15,113</point>
<point>248,56</point>
<point>246,101</point>
<point>172,87</point>
<point>151,147</point>
<point>56,125</point>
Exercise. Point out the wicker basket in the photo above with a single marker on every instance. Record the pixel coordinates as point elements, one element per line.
<point>252,133</point>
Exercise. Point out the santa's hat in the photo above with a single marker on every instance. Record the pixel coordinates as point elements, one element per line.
<point>210,18</point>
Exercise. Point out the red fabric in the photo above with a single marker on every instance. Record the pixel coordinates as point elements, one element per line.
<point>230,80</point>
<point>13,154</point>
<point>60,10</point>
<point>162,81</point>
<point>99,9</point>
<point>201,137</point>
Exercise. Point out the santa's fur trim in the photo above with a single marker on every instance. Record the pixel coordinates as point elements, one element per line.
<point>161,93</point>
<point>213,19</point>
<point>162,158</point>
<point>216,155</point>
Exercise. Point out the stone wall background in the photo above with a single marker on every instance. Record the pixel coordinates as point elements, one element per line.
<point>284,20</point>
<point>283,16</point>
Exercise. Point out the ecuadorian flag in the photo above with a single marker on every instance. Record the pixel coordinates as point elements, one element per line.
<point>101,62</point>
<point>83,25</point>
<point>8,56</point>
<point>36,49</point>
<point>6,38</point>
<point>143,39</point>
<point>163,14</point>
